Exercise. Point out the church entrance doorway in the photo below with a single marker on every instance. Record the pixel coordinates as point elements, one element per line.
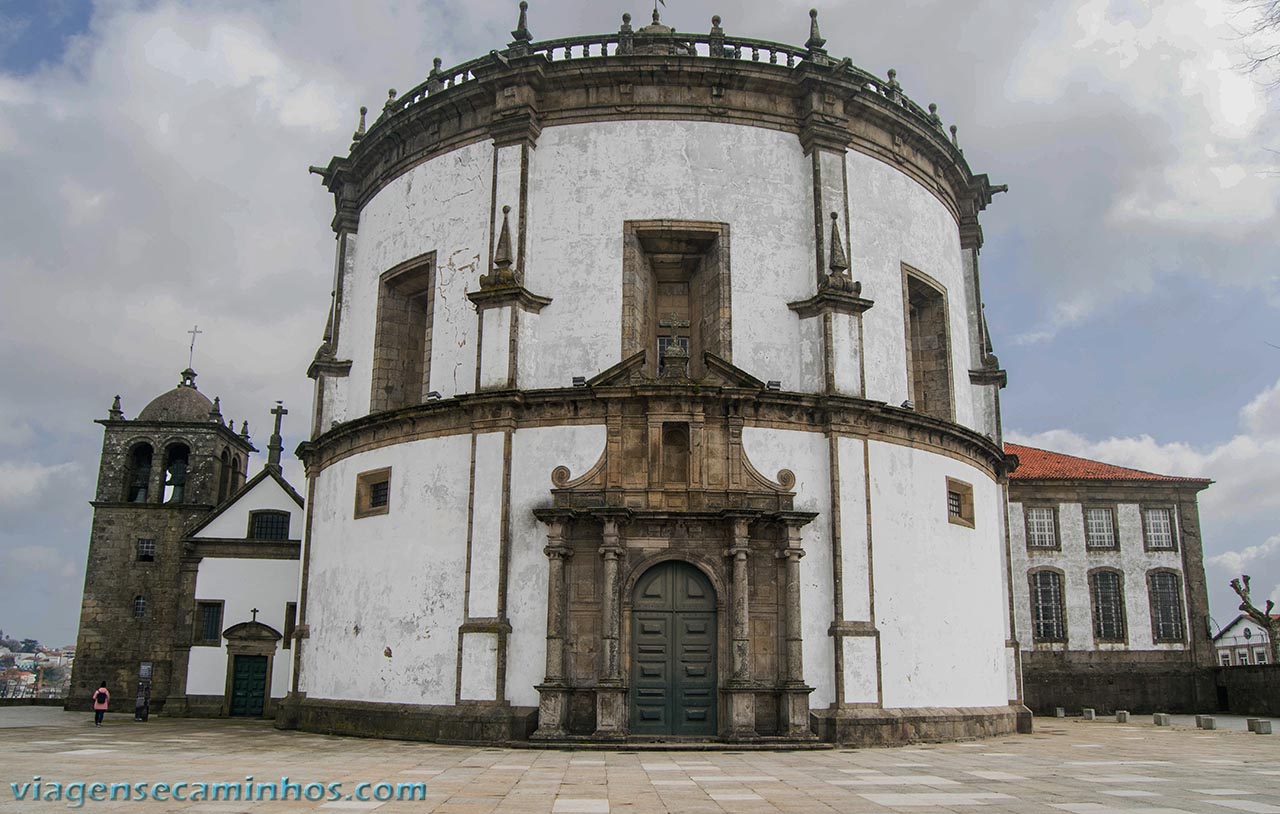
<point>249,685</point>
<point>673,652</point>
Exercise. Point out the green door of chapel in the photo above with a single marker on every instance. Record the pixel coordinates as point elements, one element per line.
<point>248,685</point>
<point>673,652</point>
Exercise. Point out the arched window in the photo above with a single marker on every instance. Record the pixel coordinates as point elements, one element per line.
<point>1164,589</point>
<point>236,480</point>
<point>928,345</point>
<point>1106,590</point>
<point>176,460</point>
<point>269,525</point>
<point>1048,612</point>
<point>139,606</point>
<point>224,475</point>
<point>138,480</point>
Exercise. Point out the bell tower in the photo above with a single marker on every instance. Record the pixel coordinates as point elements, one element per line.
<point>159,474</point>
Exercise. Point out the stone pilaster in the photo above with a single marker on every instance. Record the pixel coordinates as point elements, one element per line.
<point>795,693</point>
<point>553,703</point>
<point>611,691</point>
<point>741,694</point>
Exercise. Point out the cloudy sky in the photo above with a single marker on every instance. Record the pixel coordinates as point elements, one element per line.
<point>153,158</point>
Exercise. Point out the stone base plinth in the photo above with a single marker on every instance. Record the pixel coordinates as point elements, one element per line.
<point>885,727</point>
<point>463,723</point>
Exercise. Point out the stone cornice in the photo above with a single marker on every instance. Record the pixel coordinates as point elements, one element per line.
<point>825,302</point>
<point>508,295</point>
<point>989,376</point>
<point>516,409</point>
<point>240,548</point>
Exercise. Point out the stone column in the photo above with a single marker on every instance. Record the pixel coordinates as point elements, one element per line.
<point>553,703</point>
<point>611,691</point>
<point>795,694</point>
<point>742,699</point>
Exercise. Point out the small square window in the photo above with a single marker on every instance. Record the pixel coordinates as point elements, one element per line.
<point>959,503</point>
<point>373,492</point>
<point>1099,527</point>
<point>1042,527</point>
<point>1157,529</point>
<point>208,624</point>
<point>146,550</point>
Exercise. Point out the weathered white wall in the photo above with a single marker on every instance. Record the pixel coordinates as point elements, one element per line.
<point>393,580</point>
<point>939,606</point>
<point>441,205</point>
<point>534,453</point>
<point>267,494</point>
<point>242,584</point>
<point>894,220</point>
<point>1075,561</point>
<point>805,454</point>
<point>486,527</point>
<point>495,353</point>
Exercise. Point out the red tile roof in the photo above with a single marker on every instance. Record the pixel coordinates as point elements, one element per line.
<point>1041,464</point>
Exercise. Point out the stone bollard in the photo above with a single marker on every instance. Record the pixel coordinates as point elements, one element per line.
<point>1059,712</point>
<point>1208,722</point>
<point>1262,727</point>
<point>1160,719</point>
<point>1200,721</point>
<point>1252,723</point>
<point>1088,713</point>
<point>1122,716</point>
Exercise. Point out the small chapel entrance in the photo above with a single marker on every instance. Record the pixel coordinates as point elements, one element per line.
<point>249,685</point>
<point>673,653</point>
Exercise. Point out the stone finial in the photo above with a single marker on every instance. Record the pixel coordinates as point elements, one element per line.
<point>215,412</point>
<point>625,28</point>
<point>934,118</point>
<point>115,413</point>
<point>717,37</point>
<point>360,129</point>
<point>655,14</point>
<point>838,279</point>
<point>715,26</point>
<point>955,141</point>
<point>188,379</point>
<point>500,273</point>
<point>434,82</point>
<point>626,37</point>
<point>815,41</point>
<point>894,88</point>
<point>521,34</point>
<point>244,430</point>
<point>389,106</point>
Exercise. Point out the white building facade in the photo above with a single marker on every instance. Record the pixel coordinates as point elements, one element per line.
<point>607,439</point>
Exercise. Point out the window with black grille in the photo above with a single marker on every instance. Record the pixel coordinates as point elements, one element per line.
<point>1106,590</point>
<point>208,624</point>
<point>146,549</point>
<point>269,526</point>
<point>1047,611</point>
<point>139,607</point>
<point>373,492</point>
<point>1165,588</point>
<point>379,493</point>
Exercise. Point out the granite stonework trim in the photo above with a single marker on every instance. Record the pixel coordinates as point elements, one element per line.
<point>238,548</point>
<point>577,406</point>
<point>463,723</point>
<point>662,87</point>
<point>862,726</point>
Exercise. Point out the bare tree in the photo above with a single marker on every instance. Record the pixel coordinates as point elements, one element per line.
<point>1269,623</point>
<point>1262,38</point>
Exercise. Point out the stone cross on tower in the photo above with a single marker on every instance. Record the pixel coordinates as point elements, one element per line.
<point>254,611</point>
<point>276,445</point>
<point>191,355</point>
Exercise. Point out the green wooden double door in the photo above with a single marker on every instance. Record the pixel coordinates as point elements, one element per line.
<point>248,685</point>
<point>673,653</point>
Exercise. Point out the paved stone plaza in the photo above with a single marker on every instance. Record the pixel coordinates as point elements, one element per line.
<point>1067,765</point>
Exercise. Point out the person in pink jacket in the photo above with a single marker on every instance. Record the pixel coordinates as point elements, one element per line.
<point>101,698</point>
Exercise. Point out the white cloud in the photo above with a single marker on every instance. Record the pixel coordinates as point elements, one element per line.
<point>21,483</point>
<point>1238,562</point>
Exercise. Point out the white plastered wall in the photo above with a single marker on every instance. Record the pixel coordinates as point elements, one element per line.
<point>393,580</point>
<point>1075,561</point>
<point>806,455</point>
<point>233,522</point>
<point>939,605</point>
<point>242,584</point>
<point>893,220</point>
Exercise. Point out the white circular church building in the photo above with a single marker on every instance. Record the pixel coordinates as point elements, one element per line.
<point>655,402</point>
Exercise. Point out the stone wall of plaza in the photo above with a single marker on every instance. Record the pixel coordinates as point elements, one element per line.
<point>607,437</point>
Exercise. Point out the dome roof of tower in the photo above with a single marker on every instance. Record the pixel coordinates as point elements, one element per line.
<point>182,403</point>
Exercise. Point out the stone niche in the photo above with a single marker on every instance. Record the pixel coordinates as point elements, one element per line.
<point>674,489</point>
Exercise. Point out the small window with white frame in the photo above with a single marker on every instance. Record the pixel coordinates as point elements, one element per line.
<point>1242,656</point>
<point>1225,659</point>
<point>1158,529</point>
<point>1260,656</point>
<point>959,503</point>
<point>1042,526</point>
<point>1100,527</point>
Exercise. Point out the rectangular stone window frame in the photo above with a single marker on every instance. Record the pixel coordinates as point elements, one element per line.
<point>197,634</point>
<point>1026,522</point>
<point>961,493</point>
<point>937,406</point>
<point>145,549</point>
<point>1110,509</point>
<point>1122,620</point>
<point>365,481</point>
<point>1147,531</point>
<point>696,251</point>
<point>269,518</point>
<point>401,374</point>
